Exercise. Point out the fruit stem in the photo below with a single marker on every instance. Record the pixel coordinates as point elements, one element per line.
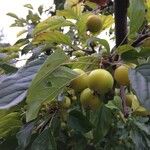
<point>123,97</point>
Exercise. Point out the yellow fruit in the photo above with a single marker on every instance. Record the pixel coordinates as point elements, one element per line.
<point>94,23</point>
<point>129,99</point>
<point>138,109</point>
<point>100,80</point>
<point>131,65</point>
<point>146,42</point>
<point>121,75</point>
<point>63,125</point>
<point>78,53</point>
<point>66,102</point>
<point>80,83</point>
<point>89,100</point>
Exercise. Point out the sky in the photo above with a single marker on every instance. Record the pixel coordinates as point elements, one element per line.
<point>16,6</point>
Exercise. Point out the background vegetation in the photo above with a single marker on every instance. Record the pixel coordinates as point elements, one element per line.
<point>42,104</point>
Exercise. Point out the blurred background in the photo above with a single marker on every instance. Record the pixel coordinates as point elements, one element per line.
<point>9,34</point>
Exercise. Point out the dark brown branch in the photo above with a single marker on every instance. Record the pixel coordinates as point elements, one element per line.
<point>121,21</point>
<point>120,7</point>
<point>140,39</point>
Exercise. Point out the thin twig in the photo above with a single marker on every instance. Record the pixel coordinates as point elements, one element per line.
<point>123,97</point>
<point>140,39</point>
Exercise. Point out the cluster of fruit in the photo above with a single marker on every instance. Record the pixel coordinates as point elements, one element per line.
<point>92,86</point>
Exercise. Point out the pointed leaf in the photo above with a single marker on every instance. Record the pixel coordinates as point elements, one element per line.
<point>54,22</point>
<point>45,141</point>
<point>9,124</point>
<point>21,32</point>
<point>40,9</point>
<point>52,37</point>
<point>13,88</point>
<point>48,83</point>
<point>12,15</point>
<point>87,63</point>
<point>136,15</point>
<point>79,122</point>
<point>102,121</point>
<point>28,6</point>
<point>67,13</point>
<point>107,21</point>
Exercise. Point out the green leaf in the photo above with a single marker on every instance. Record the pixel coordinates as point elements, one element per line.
<point>140,135</point>
<point>12,15</point>
<point>48,83</point>
<point>136,15</point>
<point>81,23</point>
<point>107,21</point>
<point>74,5</point>
<point>10,143</point>
<point>59,4</point>
<point>115,104</point>
<point>52,23</point>
<point>79,122</point>
<point>80,141</point>
<point>134,54</point>
<point>40,9</point>
<point>140,82</point>
<point>21,32</point>
<point>103,42</point>
<point>91,4</point>
<point>52,37</point>
<point>87,63</point>
<point>32,17</point>
<point>28,6</point>
<point>24,135</point>
<point>9,123</point>
<point>8,68</point>
<point>148,10</point>
<point>13,88</point>
<point>102,121</point>
<point>124,48</point>
<point>45,141</point>
<point>67,13</point>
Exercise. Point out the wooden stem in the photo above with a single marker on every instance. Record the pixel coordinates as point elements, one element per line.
<point>120,7</point>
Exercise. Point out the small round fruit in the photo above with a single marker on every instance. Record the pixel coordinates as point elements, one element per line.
<point>89,100</point>
<point>94,23</point>
<point>78,53</point>
<point>66,102</point>
<point>100,80</point>
<point>63,125</point>
<point>121,75</point>
<point>79,83</point>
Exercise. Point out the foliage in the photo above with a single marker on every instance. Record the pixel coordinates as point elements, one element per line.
<point>32,115</point>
